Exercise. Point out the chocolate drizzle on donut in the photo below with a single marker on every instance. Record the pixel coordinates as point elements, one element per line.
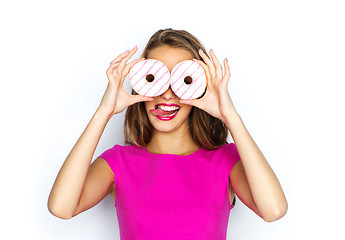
<point>150,78</point>
<point>188,80</point>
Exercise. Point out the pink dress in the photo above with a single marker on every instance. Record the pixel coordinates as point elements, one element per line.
<point>172,197</point>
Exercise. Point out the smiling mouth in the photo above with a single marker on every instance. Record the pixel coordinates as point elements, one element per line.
<point>165,110</point>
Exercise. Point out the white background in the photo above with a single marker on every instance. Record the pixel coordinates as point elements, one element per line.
<point>287,61</point>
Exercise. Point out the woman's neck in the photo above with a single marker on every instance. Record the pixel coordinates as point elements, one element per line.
<point>178,143</point>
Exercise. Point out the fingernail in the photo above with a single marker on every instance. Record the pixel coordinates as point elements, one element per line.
<point>226,59</point>
<point>201,50</point>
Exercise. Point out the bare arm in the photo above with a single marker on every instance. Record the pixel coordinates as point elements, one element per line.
<point>66,192</point>
<point>252,178</point>
<point>97,185</point>
<point>76,180</point>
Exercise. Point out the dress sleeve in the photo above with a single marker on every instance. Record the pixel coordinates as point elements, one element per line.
<point>111,157</point>
<point>232,156</point>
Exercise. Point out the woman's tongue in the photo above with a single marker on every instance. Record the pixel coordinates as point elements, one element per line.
<point>159,111</point>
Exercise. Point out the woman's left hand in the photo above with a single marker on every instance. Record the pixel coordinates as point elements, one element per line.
<point>216,101</point>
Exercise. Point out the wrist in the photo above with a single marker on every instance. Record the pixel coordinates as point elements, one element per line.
<point>101,113</point>
<point>232,118</point>
<point>231,114</point>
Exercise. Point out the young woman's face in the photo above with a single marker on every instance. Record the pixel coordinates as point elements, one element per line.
<point>162,122</point>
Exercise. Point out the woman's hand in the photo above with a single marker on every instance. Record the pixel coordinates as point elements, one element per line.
<point>116,98</point>
<point>216,101</point>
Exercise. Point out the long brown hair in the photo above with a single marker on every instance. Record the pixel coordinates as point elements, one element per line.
<point>207,131</point>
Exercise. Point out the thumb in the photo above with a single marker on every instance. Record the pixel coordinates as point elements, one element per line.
<point>194,102</point>
<point>140,98</point>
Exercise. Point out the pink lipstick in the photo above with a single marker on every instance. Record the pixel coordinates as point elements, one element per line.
<point>165,112</point>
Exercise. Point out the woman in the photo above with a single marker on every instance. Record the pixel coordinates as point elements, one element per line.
<point>178,177</point>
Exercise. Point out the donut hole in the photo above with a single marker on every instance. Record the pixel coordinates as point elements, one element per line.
<point>150,78</point>
<point>188,80</point>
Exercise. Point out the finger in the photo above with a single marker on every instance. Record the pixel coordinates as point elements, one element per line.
<point>121,56</point>
<point>139,98</point>
<point>219,70</point>
<point>126,58</point>
<point>208,62</point>
<point>227,73</point>
<point>131,53</point>
<point>111,68</point>
<point>193,102</point>
<point>130,65</point>
<point>113,65</point>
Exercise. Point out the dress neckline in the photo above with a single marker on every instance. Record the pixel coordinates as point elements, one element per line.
<point>197,152</point>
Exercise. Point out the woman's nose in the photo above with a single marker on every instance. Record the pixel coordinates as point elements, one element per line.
<point>168,94</point>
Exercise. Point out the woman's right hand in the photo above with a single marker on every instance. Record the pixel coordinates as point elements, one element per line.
<point>116,98</point>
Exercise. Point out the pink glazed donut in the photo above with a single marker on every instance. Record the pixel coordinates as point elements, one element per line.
<point>188,80</point>
<point>149,77</point>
